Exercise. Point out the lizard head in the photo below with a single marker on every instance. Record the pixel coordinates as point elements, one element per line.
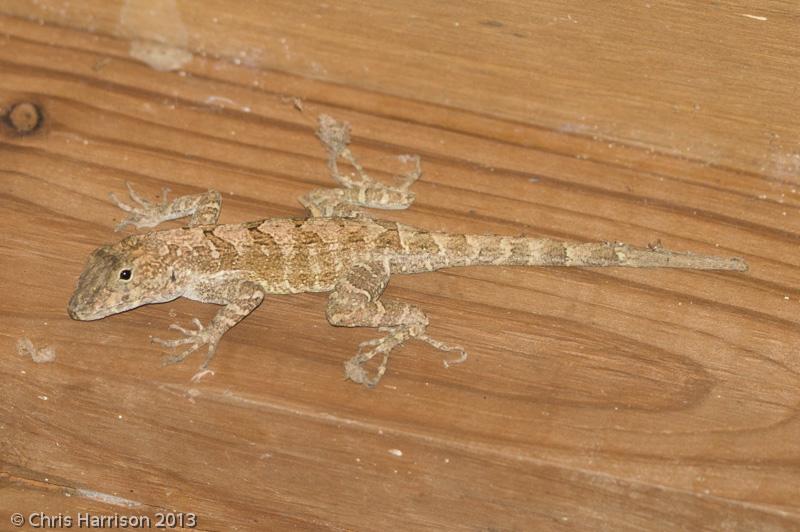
<point>121,277</point>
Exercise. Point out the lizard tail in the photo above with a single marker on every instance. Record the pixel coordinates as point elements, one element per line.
<point>467,250</point>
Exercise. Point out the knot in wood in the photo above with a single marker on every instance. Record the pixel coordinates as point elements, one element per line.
<point>24,117</point>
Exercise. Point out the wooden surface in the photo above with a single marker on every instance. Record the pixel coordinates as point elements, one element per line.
<point>613,399</point>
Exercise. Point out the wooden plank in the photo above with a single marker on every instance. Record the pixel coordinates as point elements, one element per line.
<point>711,83</point>
<point>593,399</point>
<point>43,503</point>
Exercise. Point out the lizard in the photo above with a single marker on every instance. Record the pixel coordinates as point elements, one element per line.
<point>336,249</point>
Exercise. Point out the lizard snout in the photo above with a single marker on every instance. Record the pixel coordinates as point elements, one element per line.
<point>72,308</point>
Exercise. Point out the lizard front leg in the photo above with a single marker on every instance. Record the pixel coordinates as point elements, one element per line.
<point>240,299</point>
<point>355,302</point>
<point>358,189</point>
<point>203,208</point>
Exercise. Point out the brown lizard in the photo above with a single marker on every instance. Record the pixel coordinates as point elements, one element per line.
<point>336,249</point>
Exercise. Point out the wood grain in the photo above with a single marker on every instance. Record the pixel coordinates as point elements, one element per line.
<point>593,399</point>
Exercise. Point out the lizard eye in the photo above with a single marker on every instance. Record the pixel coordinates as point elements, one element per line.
<point>125,275</point>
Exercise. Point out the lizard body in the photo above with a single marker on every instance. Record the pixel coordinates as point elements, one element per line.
<point>335,249</point>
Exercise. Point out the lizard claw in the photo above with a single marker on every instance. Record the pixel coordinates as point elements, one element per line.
<point>195,339</point>
<point>462,357</point>
<point>146,213</point>
<point>365,344</point>
<point>187,332</point>
<point>201,374</point>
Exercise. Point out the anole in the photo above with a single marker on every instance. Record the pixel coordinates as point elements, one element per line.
<point>336,249</point>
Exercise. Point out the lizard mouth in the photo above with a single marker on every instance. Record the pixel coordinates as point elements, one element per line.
<point>75,313</point>
<point>79,310</point>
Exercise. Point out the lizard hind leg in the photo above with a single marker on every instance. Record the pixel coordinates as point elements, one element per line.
<point>356,189</point>
<point>356,302</point>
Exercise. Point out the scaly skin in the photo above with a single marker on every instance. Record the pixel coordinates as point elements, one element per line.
<point>336,249</point>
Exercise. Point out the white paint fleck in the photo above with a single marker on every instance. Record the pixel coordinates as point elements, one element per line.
<point>318,69</point>
<point>158,35</point>
<point>106,498</point>
<point>754,17</point>
<point>159,56</point>
<point>220,101</point>
<point>41,356</point>
<point>396,452</point>
<point>287,53</point>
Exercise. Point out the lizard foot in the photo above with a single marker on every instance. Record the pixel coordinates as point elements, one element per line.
<point>408,179</point>
<point>146,214</point>
<point>354,368</point>
<point>195,339</point>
